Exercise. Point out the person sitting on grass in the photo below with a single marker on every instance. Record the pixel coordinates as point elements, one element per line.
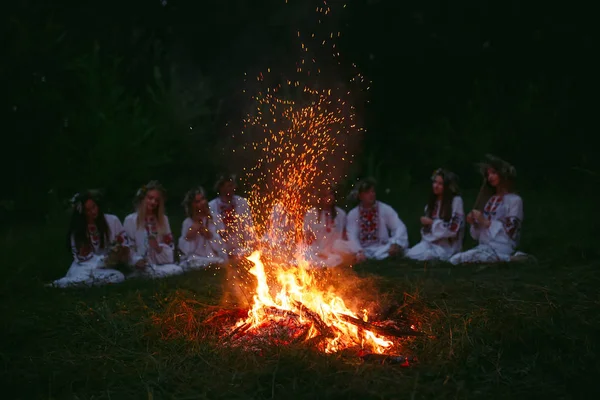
<point>150,235</point>
<point>443,223</point>
<point>496,225</point>
<point>200,243</point>
<point>324,224</point>
<point>374,229</point>
<point>96,240</point>
<point>238,226</point>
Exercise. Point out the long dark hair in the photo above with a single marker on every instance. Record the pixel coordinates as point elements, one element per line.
<point>451,190</point>
<point>78,228</point>
<point>507,174</point>
<point>333,206</point>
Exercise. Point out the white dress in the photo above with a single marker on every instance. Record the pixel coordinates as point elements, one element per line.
<point>374,230</point>
<point>89,270</point>
<point>498,242</point>
<point>238,224</point>
<point>279,240</point>
<point>326,231</point>
<point>159,264</point>
<point>201,252</point>
<point>442,239</point>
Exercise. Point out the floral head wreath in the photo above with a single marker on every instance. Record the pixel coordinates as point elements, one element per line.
<point>437,172</point>
<point>450,177</point>
<point>76,203</point>
<point>224,178</point>
<point>361,186</point>
<point>152,185</point>
<point>143,190</point>
<point>189,196</point>
<point>79,198</point>
<point>504,169</point>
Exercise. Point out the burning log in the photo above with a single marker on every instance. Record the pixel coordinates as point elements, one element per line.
<point>278,312</point>
<point>319,319</point>
<point>223,316</point>
<point>239,330</point>
<point>323,329</point>
<point>384,331</point>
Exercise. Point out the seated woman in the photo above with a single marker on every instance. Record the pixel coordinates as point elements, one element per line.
<point>199,243</point>
<point>149,233</point>
<point>95,240</point>
<point>280,240</point>
<point>323,226</point>
<point>498,227</point>
<point>443,224</point>
<point>374,229</point>
<point>238,226</point>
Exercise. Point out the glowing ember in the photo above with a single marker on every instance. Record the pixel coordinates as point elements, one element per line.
<point>298,138</point>
<point>300,303</point>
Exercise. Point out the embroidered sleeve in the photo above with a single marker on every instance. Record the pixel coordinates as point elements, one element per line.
<point>168,239</point>
<point>448,229</point>
<point>512,227</point>
<point>130,230</point>
<point>514,217</point>
<point>455,223</point>
<point>122,239</point>
<point>77,253</point>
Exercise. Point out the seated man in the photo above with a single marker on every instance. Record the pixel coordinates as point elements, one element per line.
<point>374,229</point>
<point>238,235</point>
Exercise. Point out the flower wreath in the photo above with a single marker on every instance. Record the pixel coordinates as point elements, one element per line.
<point>447,175</point>
<point>141,191</point>
<point>436,172</point>
<point>76,203</point>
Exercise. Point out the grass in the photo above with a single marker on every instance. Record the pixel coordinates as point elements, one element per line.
<point>515,331</point>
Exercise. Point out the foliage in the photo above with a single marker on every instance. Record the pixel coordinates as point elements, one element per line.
<point>117,100</point>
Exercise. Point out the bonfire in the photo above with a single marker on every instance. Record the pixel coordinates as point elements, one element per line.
<point>293,307</point>
<point>295,145</point>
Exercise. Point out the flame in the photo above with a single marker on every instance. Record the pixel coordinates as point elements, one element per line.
<point>300,293</point>
<point>298,136</point>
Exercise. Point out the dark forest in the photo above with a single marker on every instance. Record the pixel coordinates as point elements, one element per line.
<point>111,94</point>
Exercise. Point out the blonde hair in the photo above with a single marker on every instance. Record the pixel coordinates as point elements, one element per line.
<point>141,209</point>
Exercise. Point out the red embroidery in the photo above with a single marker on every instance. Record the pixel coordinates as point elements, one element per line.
<point>328,222</point>
<point>151,226</point>
<point>512,226</point>
<point>436,210</point>
<point>94,236</point>
<point>228,215</point>
<point>369,219</point>
<point>491,206</point>
<point>455,223</point>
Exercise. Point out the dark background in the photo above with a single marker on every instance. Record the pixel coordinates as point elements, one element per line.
<point>114,93</point>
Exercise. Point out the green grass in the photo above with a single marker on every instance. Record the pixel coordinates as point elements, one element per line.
<point>518,331</point>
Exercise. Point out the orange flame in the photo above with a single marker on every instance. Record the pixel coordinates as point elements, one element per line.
<point>299,290</point>
<point>298,137</point>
